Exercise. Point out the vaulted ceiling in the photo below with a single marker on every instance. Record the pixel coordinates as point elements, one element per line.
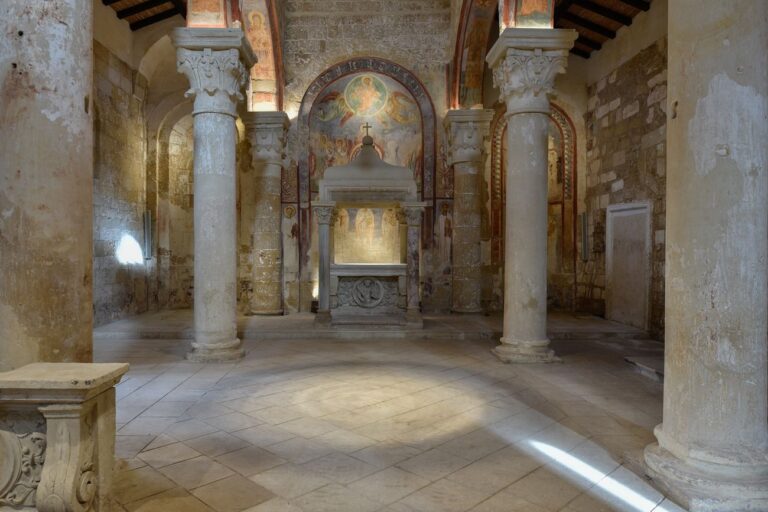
<point>142,13</point>
<point>596,20</point>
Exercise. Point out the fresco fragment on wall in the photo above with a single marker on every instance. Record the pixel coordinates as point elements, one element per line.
<point>206,13</point>
<point>526,13</point>
<point>367,235</point>
<point>258,29</point>
<point>345,106</point>
<point>476,36</point>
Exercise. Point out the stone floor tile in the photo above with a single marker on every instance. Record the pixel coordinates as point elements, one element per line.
<point>668,506</point>
<point>146,426</point>
<point>624,488</point>
<point>444,496</point>
<point>384,455</point>
<point>345,441</point>
<point>545,488</point>
<point>127,447</point>
<point>264,435</point>
<point>167,409</point>
<point>160,441</point>
<point>290,480</point>
<point>336,498</point>
<point>433,464</point>
<point>506,502</point>
<point>340,467</point>
<point>474,445</point>
<point>216,443</point>
<point>275,505</point>
<point>169,454</point>
<point>389,485</point>
<point>308,427</point>
<point>196,472</point>
<point>174,500</point>
<point>276,414</point>
<point>250,460</point>
<point>129,486</point>
<point>300,450</point>
<point>233,422</point>
<point>233,494</point>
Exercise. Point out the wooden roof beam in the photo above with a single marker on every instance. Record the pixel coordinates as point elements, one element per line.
<point>139,8</point>
<point>154,19</point>
<point>642,5</point>
<point>604,12</point>
<point>590,43</point>
<point>588,25</point>
<point>580,53</point>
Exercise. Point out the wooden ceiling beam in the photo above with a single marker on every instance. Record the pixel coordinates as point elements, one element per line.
<point>580,53</point>
<point>154,19</point>
<point>604,11</point>
<point>139,8</point>
<point>643,5</point>
<point>109,2</point>
<point>181,7</point>
<point>588,25</point>
<point>590,43</point>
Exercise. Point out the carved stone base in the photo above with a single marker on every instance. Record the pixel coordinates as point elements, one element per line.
<point>525,353</point>
<point>216,353</point>
<point>700,491</point>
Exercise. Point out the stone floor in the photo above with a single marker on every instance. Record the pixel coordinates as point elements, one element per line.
<point>373,424</point>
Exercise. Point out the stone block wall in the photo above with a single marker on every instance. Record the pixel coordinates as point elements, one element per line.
<point>119,185</point>
<point>626,163</point>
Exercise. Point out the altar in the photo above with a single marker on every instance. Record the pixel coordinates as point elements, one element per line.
<point>369,232</point>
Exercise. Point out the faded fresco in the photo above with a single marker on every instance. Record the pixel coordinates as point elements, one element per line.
<point>263,90</point>
<point>476,36</point>
<point>345,106</point>
<point>367,235</point>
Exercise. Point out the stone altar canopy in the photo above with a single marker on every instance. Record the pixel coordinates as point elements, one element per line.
<point>369,261</point>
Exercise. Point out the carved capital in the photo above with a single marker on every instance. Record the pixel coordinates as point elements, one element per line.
<point>216,78</point>
<point>525,63</point>
<point>412,214</point>
<point>267,133</point>
<point>467,135</point>
<point>323,213</point>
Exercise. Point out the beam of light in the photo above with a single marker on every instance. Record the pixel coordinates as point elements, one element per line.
<point>129,251</point>
<point>619,490</point>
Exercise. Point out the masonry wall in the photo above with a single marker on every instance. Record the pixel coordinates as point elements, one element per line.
<point>119,185</point>
<point>626,163</point>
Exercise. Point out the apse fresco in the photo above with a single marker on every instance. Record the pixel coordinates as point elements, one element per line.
<point>367,235</point>
<point>343,108</point>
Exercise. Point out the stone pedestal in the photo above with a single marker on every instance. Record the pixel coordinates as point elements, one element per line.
<point>712,451</point>
<point>324,211</point>
<point>525,63</point>
<point>216,62</point>
<point>267,134</point>
<point>413,213</point>
<point>46,182</point>
<point>467,135</point>
<point>57,436</point>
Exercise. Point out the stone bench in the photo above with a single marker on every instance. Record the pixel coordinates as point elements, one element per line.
<point>57,436</point>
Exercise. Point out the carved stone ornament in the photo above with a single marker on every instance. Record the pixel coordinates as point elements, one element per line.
<point>324,214</point>
<point>22,457</point>
<point>216,77</point>
<point>268,135</point>
<point>368,292</point>
<point>525,78</point>
<point>467,135</point>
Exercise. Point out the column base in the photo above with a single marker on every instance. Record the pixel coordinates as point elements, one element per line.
<point>323,318</point>
<point>699,491</point>
<point>216,352</point>
<point>537,352</point>
<point>268,312</point>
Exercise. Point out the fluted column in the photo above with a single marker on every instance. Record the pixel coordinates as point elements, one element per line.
<point>324,212</point>
<point>267,133</point>
<point>46,182</point>
<point>413,213</point>
<point>216,62</point>
<point>712,451</point>
<point>467,135</point>
<point>525,63</point>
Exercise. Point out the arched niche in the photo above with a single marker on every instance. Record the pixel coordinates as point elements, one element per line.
<point>329,87</point>
<point>562,250</point>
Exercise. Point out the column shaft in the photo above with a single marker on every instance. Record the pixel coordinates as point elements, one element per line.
<point>712,451</point>
<point>413,215</point>
<point>324,214</point>
<point>46,182</point>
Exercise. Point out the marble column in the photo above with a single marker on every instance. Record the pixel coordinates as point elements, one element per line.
<point>467,136</point>
<point>712,451</point>
<point>267,133</point>
<point>525,63</point>
<point>46,182</point>
<point>324,213</point>
<point>413,213</point>
<point>216,62</point>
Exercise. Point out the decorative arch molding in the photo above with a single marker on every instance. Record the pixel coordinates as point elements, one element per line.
<point>373,65</point>
<point>498,128</point>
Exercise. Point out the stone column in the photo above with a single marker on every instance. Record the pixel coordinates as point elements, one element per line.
<point>712,451</point>
<point>216,62</point>
<point>413,214</point>
<point>467,135</point>
<point>267,133</point>
<point>46,182</point>
<point>323,212</point>
<point>525,63</point>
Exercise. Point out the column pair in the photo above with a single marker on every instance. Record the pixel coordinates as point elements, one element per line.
<point>216,61</point>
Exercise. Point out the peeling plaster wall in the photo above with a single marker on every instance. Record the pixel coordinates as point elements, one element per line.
<point>119,185</point>
<point>626,163</point>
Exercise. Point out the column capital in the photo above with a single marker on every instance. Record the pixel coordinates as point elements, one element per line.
<point>267,133</point>
<point>216,61</point>
<point>467,133</point>
<point>412,212</point>
<point>525,63</point>
<point>324,211</point>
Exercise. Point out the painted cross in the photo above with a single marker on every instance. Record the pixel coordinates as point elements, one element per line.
<point>367,127</point>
